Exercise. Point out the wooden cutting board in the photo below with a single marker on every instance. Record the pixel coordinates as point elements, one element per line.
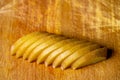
<point>94,20</point>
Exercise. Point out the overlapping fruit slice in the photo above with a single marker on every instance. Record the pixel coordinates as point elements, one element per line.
<point>35,53</point>
<point>55,53</point>
<point>44,54</point>
<point>37,43</point>
<point>70,59</point>
<point>66,53</point>
<point>58,50</point>
<point>90,58</point>
<point>28,43</point>
<point>20,41</point>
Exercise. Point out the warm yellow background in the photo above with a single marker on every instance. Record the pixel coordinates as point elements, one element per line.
<point>94,20</point>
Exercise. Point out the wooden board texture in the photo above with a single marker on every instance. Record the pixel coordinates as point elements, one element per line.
<point>94,20</point>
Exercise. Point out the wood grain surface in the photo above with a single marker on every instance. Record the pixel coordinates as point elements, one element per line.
<point>94,20</point>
